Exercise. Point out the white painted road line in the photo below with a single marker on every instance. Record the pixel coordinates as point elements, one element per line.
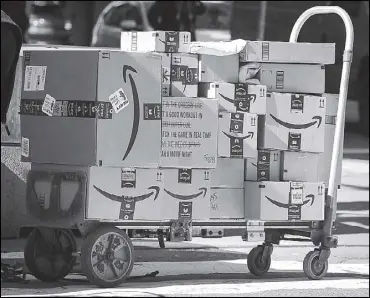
<point>206,287</point>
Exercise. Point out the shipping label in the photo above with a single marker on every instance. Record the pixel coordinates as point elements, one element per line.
<point>34,78</point>
<point>189,133</point>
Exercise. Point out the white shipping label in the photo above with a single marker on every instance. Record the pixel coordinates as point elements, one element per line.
<point>25,147</point>
<point>118,100</point>
<point>296,194</point>
<point>48,105</point>
<point>34,78</point>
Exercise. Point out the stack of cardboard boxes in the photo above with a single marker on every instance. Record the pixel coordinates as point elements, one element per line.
<point>288,177</point>
<point>276,123</point>
<point>161,133</point>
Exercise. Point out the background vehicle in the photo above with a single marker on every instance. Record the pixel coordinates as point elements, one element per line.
<point>47,23</point>
<point>116,17</point>
<point>132,15</point>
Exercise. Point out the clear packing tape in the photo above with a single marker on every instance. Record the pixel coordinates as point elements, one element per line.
<point>248,72</point>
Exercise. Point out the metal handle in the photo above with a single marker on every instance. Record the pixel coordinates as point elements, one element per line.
<point>343,89</point>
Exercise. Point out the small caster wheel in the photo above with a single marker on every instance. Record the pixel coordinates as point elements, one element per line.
<point>312,268</point>
<point>107,257</point>
<point>50,261</point>
<point>256,265</point>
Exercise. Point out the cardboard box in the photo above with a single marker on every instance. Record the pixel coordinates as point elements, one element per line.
<point>293,122</point>
<point>184,75</point>
<point>166,74</point>
<point>189,133</point>
<point>293,78</point>
<point>330,121</point>
<point>85,128</point>
<point>282,201</point>
<point>265,167</point>
<point>237,135</point>
<point>227,203</point>
<point>301,166</point>
<point>235,98</point>
<point>186,194</point>
<point>229,173</point>
<point>125,194</point>
<point>288,52</point>
<point>156,41</point>
<point>218,68</point>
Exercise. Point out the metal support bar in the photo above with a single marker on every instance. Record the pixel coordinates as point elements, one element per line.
<point>343,90</point>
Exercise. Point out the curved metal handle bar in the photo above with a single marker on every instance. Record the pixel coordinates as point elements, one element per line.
<point>343,89</point>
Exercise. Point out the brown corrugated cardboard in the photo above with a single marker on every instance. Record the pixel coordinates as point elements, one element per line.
<point>186,194</point>
<point>288,52</point>
<point>265,167</point>
<point>156,41</point>
<point>125,194</point>
<point>189,132</point>
<point>301,166</point>
<point>218,68</point>
<point>294,78</point>
<point>236,97</point>
<point>229,173</point>
<point>184,75</point>
<point>330,121</point>
<point>281,201</point>
<point>84,128</point>
<point>293,122</point>
<point>227,203</point>
<point>237,135</point>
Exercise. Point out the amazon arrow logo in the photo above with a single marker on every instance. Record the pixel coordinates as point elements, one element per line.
<point>317,119</point>
<point>250,135</point>
<point>128,203</point>
<point>203,191</point>
<point>250,98</point>
<point>310,198</point>
<point>136,118</point>
<point>155,190</point>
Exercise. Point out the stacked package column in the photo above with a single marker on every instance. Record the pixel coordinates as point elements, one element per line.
<point>286,181</point>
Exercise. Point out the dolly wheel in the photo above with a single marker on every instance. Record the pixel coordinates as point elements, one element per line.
<point>256,265</point>
<point>47,260</point>
<point>107,257</point>
<point>312,267</point>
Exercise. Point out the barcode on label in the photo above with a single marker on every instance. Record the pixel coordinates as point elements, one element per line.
<point>118,100</point>
<point>25,147</point>
<point>34,78</point>
<point>280,80</point>
<point>296,193</point>
<point>48,105</point>
<point>265,51</point>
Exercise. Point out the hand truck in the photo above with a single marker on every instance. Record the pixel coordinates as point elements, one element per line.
<point>105,268</point>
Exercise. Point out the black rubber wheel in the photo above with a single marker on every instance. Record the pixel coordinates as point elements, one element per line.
<point>107,257</point>
<point>255,264</point>
<point>50,262</point>
<point>312,268</point>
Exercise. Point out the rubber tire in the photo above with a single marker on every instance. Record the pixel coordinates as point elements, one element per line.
<point>311,257</point>
<point>254,268</point>
<point>30,261</point>
<point>86,249</point>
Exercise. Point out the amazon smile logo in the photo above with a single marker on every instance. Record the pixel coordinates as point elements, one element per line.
<point>203,191</point>
<point>250,135</point>
<point>128,203</point>
<point>248,98</point>
<point>317,120</point>
<point>136,118</point>
<point>309,198</point>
